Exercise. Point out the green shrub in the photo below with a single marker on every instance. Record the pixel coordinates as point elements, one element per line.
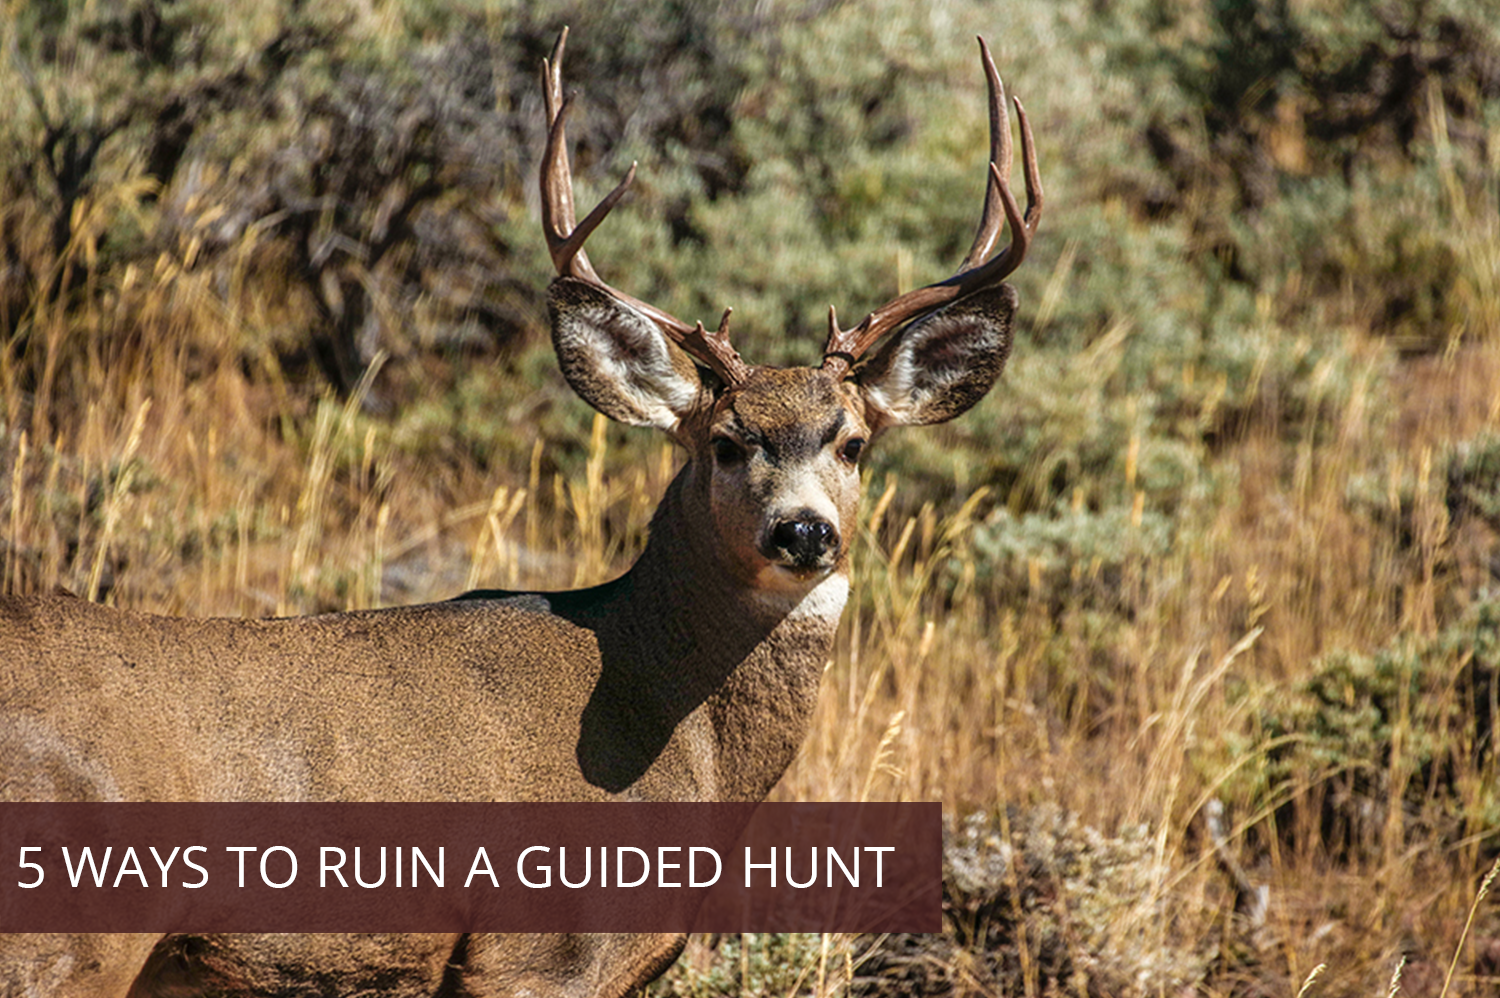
<point>1410,727</point>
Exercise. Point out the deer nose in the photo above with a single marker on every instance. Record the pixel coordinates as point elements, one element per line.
<point>805,541</point>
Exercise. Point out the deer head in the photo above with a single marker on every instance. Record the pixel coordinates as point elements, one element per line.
<point>774,453</point>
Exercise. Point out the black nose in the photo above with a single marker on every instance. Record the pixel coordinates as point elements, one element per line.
<point>806,541</point>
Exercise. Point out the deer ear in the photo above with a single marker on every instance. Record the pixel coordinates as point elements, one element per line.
<point>942,364</point>
<point>618,360</point>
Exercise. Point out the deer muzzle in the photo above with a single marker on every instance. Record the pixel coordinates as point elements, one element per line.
<point>805,542</point>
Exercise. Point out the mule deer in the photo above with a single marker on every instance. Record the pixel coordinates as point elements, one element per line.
<point>692,677</point>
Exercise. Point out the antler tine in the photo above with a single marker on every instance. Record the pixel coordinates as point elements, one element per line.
<point>846,346</point>
<point>1000,156</point>
<point>566,236</point>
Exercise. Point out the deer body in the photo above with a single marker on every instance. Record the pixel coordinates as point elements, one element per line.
<point>690,678</point>
<point>636,690</point>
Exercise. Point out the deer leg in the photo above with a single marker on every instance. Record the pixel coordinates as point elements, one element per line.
<point>69,965</point>
<point>261,966</point>
<point>486,965</point>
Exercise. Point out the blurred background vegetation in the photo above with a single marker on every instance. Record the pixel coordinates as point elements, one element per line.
<point>1194,624</point>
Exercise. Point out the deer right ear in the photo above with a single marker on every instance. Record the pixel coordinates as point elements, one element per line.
<point>942,364</point>
<point>618,360</point>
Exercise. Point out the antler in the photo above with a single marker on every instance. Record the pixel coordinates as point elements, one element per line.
<point>565,236</point>
<point>846,346</point>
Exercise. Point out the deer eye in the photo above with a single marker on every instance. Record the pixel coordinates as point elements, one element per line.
<point>727,451</point>
<point>852,449</point>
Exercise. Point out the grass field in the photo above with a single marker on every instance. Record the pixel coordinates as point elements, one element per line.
<point>1198,614</point>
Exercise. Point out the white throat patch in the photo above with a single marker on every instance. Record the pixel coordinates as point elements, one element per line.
<point>825,601</point>
<point>787,597</point>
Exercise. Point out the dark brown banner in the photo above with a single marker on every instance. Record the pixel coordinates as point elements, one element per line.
<point>623,867</point>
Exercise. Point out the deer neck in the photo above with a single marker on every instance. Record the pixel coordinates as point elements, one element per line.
<point>684,644</point>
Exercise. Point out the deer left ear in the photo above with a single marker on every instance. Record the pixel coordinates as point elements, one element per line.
<point>617,359</point>
<point>939,366</point>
